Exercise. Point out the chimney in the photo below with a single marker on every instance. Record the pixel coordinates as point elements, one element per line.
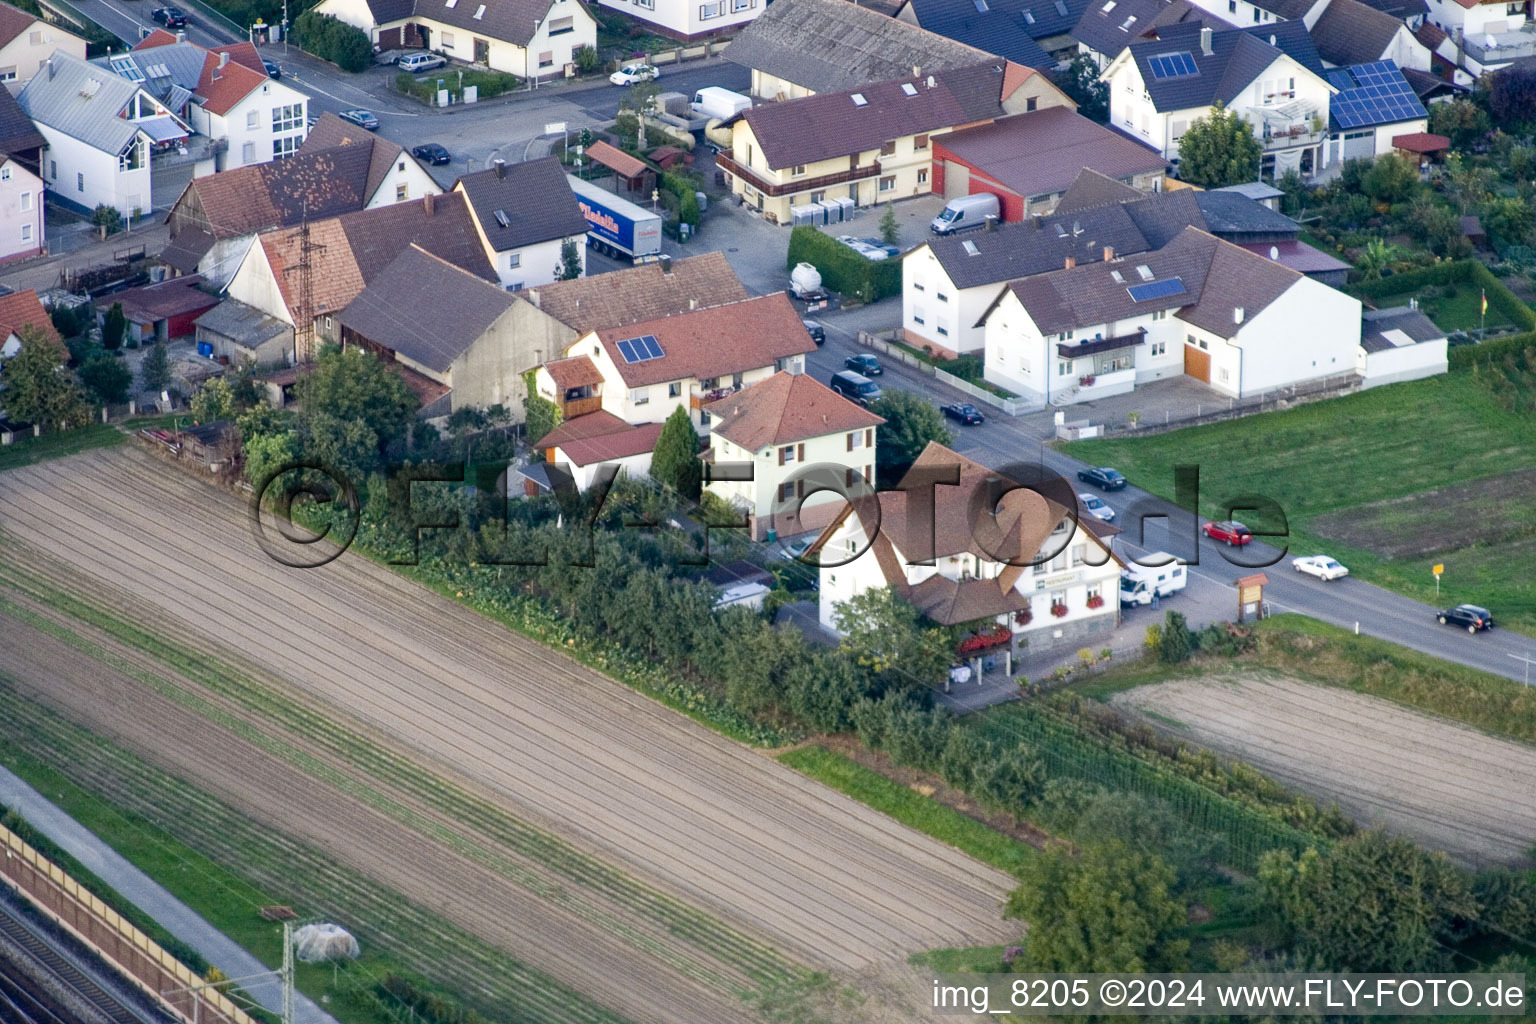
<point>1205,41</point>
<point>916,71</point>
<point>501,168</point>
<point>1237,314</point>
<point>1039,221</point>
<point>693,304</point>
<point>50,69</point>
<point>1069,263</point>
<point>223,58</point>
<point>181,37</point>
<point>427,203</point>
<point>991,223</point>
<point>666,264</point>
<point>532,295</point>
<point>1109,253</point>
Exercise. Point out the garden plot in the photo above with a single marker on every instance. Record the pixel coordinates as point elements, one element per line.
<point>1446,785</point>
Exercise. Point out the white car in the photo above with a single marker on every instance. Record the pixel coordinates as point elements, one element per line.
<point>417,62</point>
<point>1321,566</point>
<point>629,74</point>
<point>863,248</point>
<point>1096,507</point>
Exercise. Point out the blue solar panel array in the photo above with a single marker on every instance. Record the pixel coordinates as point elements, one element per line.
<point>638,350</point>
<point>1380,95</point>
<point>1172,65</point>
<point>1157,289</point>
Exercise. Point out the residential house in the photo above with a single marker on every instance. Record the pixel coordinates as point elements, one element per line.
<point>18,310</point>
<point>798,48</point>
<point>99,133</point>
<point>872,144</point>
<point>1030,160</point>
<point>1199,306</point>
<point>165,310</point>
<point>394,175</point>
<point>1107,27</point>
<point>26,43</point>
<point>782,427</point>
<point>1271,76</point>
<point>523,214</point>
<point>22,225</point>
<point>1011,29</point>
<point>580,447</point>
<point>240,333</point>
<point>686,20</point>
<point>1352,32</point>
<point>1374,106</point>
<point>1484,34</point>
<point>223,94</point>
<point>1399,344</point>
<point>688,360</point>
<point>1028,566</point>
<point>528,38</point>
<point>1247,13</point>
<point>305,276</point>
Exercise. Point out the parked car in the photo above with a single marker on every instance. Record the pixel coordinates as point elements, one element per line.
<point>855,387</point>
<point>413,63</point>
<point>273,71</point>
<point>1469,616</point>
<point>1102,477</point>
<point>1096,507</point>
<point>965,413</point>
<point>170,17</point>
<point>629,74</point>
<point>1228,532</point>
<point>360,117</point>
<point>891,251</point>
<point>817,332</point>
<point>864,249</point>
<point>1321,566</point>
<point>431,153</point>
<point>864,363</point>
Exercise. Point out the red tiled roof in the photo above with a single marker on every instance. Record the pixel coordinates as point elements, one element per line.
<point>713,342</point>
<point>578,371</point>
<point>619,161</point>
<point>787,407</point>
<point>20,309</point>
<point>243,53</point>
<point>583,428</point>
<point>1421,142</point>
<point>1299,256</point>
<point>222,88</point>
<point>646,292</point>
<point>159,37</point>
<point>600,437</point>
<point>13,22</point>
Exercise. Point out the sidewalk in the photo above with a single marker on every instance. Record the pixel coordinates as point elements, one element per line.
<point>176,917</point>
<point>43,273</point>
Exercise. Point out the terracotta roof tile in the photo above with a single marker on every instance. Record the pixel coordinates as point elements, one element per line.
<point>616,159</point>
<point>607,447</point>
<point>331,131</point>
<point>20,309</point>
<point>576,372</point>
<point>784,408</point>
<point>13,22</point>
<point>634,294</point>
<point>713,342</point>
<point>222,88</point>
<point>316,184</point>
<point>159,37</point>
<point>243,53</point>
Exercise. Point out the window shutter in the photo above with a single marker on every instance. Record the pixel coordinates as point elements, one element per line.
<point>799,488</point>
<point>848,478</point>
<point>800,453</point>
<point>850,442</point>
<point>869,438</point>
<point>781,455</point>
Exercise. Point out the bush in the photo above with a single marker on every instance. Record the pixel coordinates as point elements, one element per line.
<point>105,216</point>
<point>346,46</point>
<point>587,60</point>
<point>487,84</point>
<point>842,269</point>
<point>1175,645</point>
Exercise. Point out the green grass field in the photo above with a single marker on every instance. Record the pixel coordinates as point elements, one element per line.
<point>1460,312</point>
<point>28,450</point>
<point>1366,477</point>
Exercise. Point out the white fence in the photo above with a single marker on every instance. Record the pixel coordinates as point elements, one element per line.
<point>1009,406</point>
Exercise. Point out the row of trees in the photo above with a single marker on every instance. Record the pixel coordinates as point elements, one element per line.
<point>49,385</point>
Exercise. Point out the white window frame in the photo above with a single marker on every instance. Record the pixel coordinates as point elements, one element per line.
<point>26,201</point>
<point>639,396</point>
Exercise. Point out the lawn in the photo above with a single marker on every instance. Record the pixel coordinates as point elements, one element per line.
<point>1459,312</point>
<point>1371,479</point>
<point>28,450</point>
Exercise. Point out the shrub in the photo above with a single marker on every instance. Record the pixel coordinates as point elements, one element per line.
<point>344,45</point>
<point>1154,639</point>
<point>1174,646</point>
<point>587,60</point>
<point>842,269</point>
<point>105,216</point>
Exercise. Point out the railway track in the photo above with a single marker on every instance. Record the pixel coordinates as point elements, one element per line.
<point>28,1002</point>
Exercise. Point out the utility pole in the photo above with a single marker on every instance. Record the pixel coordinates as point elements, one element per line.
<point>304,318</point>
<point>285,28</point>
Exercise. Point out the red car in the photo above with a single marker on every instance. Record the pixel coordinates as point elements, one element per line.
<point>1229,533</point>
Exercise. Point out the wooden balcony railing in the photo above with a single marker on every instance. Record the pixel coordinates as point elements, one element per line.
<point>726,162</point>
<point>580,406</point>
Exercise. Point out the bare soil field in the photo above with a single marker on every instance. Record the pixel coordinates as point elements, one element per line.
<point>1448,786</point>
<point>801,868</point>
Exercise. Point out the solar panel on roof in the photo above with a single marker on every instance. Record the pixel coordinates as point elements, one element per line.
<point>639,350</point>
<point>652,346</point>
<point>627,350</point>
<point>1156,289</point>
<point>1381,95</point>
<point>1172,65</point>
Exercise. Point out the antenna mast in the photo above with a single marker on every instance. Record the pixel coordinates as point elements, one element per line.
<point>304,326</point>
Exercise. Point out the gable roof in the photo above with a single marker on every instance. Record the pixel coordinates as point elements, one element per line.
<point>1413,325</point>
<point>833,124</point>
<point>13,22</point>
<point>647,292</point>
<point>600,437</point>
<point>159,37</point>
<point>575,372</point>
<point>1374,93</point>
<point>1093,188</point>
<point>786,407</point>
<point>831,45</point>
<point>1045,151</point>
<point>714,342</point>
<point>1287,10</point>
<point>1298,255</point>
<point>1232,213</point>
<point>317,184</point>
<point>17,132</point>
<point>533,197</point>
<point>331,131</point>
<point>1350,32</point>
<point>223,87</point>
<point>515,21</point>
<point>1237,57</point>
<point>426,309</point>
<point>1036,246</point>
<point>1403,9</point>
<point>81,100</point>
<point>997,26</point>
<point>1107,28</point>
<point>23,308</point>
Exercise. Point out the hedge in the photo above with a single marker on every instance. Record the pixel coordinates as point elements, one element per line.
<point>1465,356</point>
<point>843,270</point>
<point>1469,272</point>
<point>344,45</point>
<point>488,83</point>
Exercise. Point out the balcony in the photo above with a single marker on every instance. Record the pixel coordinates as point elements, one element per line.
<point>727,162</point>
<point>699,397</point>
<point>1493,50</point>
<point>573,407</point>
<point>1091,387</point>
<point>1290,124</point>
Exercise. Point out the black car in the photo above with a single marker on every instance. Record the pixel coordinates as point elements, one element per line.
<point>965,413</point>
<point>1103,478</point>
<point>817,332</point>
<point>273,71</point>
<point>1468,616</point>
<point>170,17</point>
<point>864,363</point>
<point>432,153</point>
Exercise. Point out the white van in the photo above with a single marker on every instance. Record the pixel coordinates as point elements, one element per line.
<point>714,101</point>
<point>965,212</point>
<point>1139,584</point>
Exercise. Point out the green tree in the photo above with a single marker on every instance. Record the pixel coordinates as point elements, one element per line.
<point>105,216</point>
<point>891,640</point>
<point>890,231</point>
<point>638,102</point>
<point>265,453</point>
<point>261,420</point>
<point>1174,643</point>
<point>1219,149</point>
<point>675,462</point>
<point>1106,910</point>
<point>911,422</point>
<point>349,446</point>
<point>1460,120</point>
<point>1080,81</point>
<point>155,370</point>
<point>107,378</point>
<point>353,385</point>
<point>1391,179</point>
<point>569,266</point>
<point>113,327</point>
<point>1468,184</point>
<point>1376,256</point>
<point>1512,96</point>
<point>463,423</point>
<point>586,60</point>
<point>39,387</point>
<point>64,321</point>
<point>1295,189</point>
<point>1508,220</point>
<point>213,401</point>
<point>1370,903</point>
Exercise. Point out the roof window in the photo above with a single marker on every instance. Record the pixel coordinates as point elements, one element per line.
<point>480,12</point>
<point>859,100</point>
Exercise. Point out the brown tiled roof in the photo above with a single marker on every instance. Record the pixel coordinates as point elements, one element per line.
<point>714,342</point>
<point>331,131</point>
<point>951,602</point>
<point>1350,32</point>
<point>605,447</point>
<point>1046,151</point>
<point>1237,279</point>
<point>1297,255</point>
<point>17,132</point>
<point>13,22</point>
<point>515,21</point>
<point>784,408</point>
<point>583,428</point>
<point>20,309</point>
<point>159,37</point>
<point>834,124</point>
<point>222,88</point>
<point>426,390</point>
<point>1421,142</point>
<point>243,53</point>
<point>635,294</point>
<point>576,372</point>
<point>616,159</point>
<point>1431,35</point>
<point>316,184</point>
<point>173,297</point>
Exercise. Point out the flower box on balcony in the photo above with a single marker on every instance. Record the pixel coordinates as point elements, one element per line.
<point>1086,381</point>
<point>1058,610</point>
<point>1023,617</point>
<point>977,642</point>
<point>1096,601</point>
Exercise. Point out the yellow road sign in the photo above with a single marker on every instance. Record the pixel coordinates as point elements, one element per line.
<point>1437,570</point>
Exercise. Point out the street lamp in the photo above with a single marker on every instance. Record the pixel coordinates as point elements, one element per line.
<point>655,198</point>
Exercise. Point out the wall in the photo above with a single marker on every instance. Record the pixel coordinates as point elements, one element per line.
<point>22,188</point>
<point>1275,354</point>
<point>537,263</point>
<point>28,53</point>
<point>760,494</point>
<point>583,476</point>
<point>223,258</point>
<point>773,88</point>
<point>409,173</point>
<point>680,18</point>
<point>104,183</point>
<point>276,351</point>
<point>491,371</point>
<point>353,12</point>
<point>254,284</point>
<point>923,280</point>
<point>519,60</point>
<point>1409,362</point>
<point>659,402</point>
<point>235,126</point>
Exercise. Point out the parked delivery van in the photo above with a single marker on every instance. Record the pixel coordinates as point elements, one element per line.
<point>965,212</point>
<point>714,101</point>
<point>1139,584</point>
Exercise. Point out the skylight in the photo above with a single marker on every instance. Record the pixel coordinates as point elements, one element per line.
<point>1172,65</point>
<point>126,67</point>
<point>480,12</point>
<point>909,88</point>
<point>1125,26</point>
<point>501,218</point>
<point>1061,7</point>
<point>1109,6</point>
<point>1145,272</point>
<point>1029,16</point>
<point>1119,277</point>
<point>981,6</point>
<point>859,100</point>
<point>970,248</point>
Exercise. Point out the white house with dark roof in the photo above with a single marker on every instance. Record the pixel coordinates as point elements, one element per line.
<point>26,43</point>
<point>689,20</point>
<point>1373,106</point>
<point>1399,344</point>
<point>1486,35</point>
<point>1199,306</point>
<point>1107,27</point>
<point>1034,33</point>
<point>527,38</point>
<point>524,213</point>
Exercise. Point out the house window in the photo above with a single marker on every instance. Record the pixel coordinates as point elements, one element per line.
<point>26,232</point>
<point>8,74</point>
<point>53,170</point>
<point>514,260</point>
<point>941,296</point>
<point>922,176</point>
<point>80,181</point>
<point>560,26</point>
<point>287,117</point>
<point>547,59</point>
<point>285,146</point>
<point>1231,6</point>
<point>917,285</point>
<point>787,491</point>
<point>1030,104</point>
<point>1223,376</point>
<point>786,455</point>
<point>402,193</point>
<point>445,40</point>
<point>400,167</point>
<point>919,142</point>
<point>944,331</point>
<point>1057,565</point>
<point>1064,336</point>
<point>799,170</point>
<point>675,389</point>
<point>714,10</point>
<point>1159,348</point>
<point>1079,552</point>
<point>888,183</point>
<point>855,440</point>
<point>818,196</point>
<point>640,396</point>
<point>26,200</point>
<point>248,152</point>
<point>132,158</point>
<point>1513,9</point>
<point>251,118</point>
<point>649,5</point>
<point>1023,364</point>
<point>888,149</point>
<point>1064,368</point>
<point>1159,314</point>
<point>1111,363</point>
<point>919,316</point>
